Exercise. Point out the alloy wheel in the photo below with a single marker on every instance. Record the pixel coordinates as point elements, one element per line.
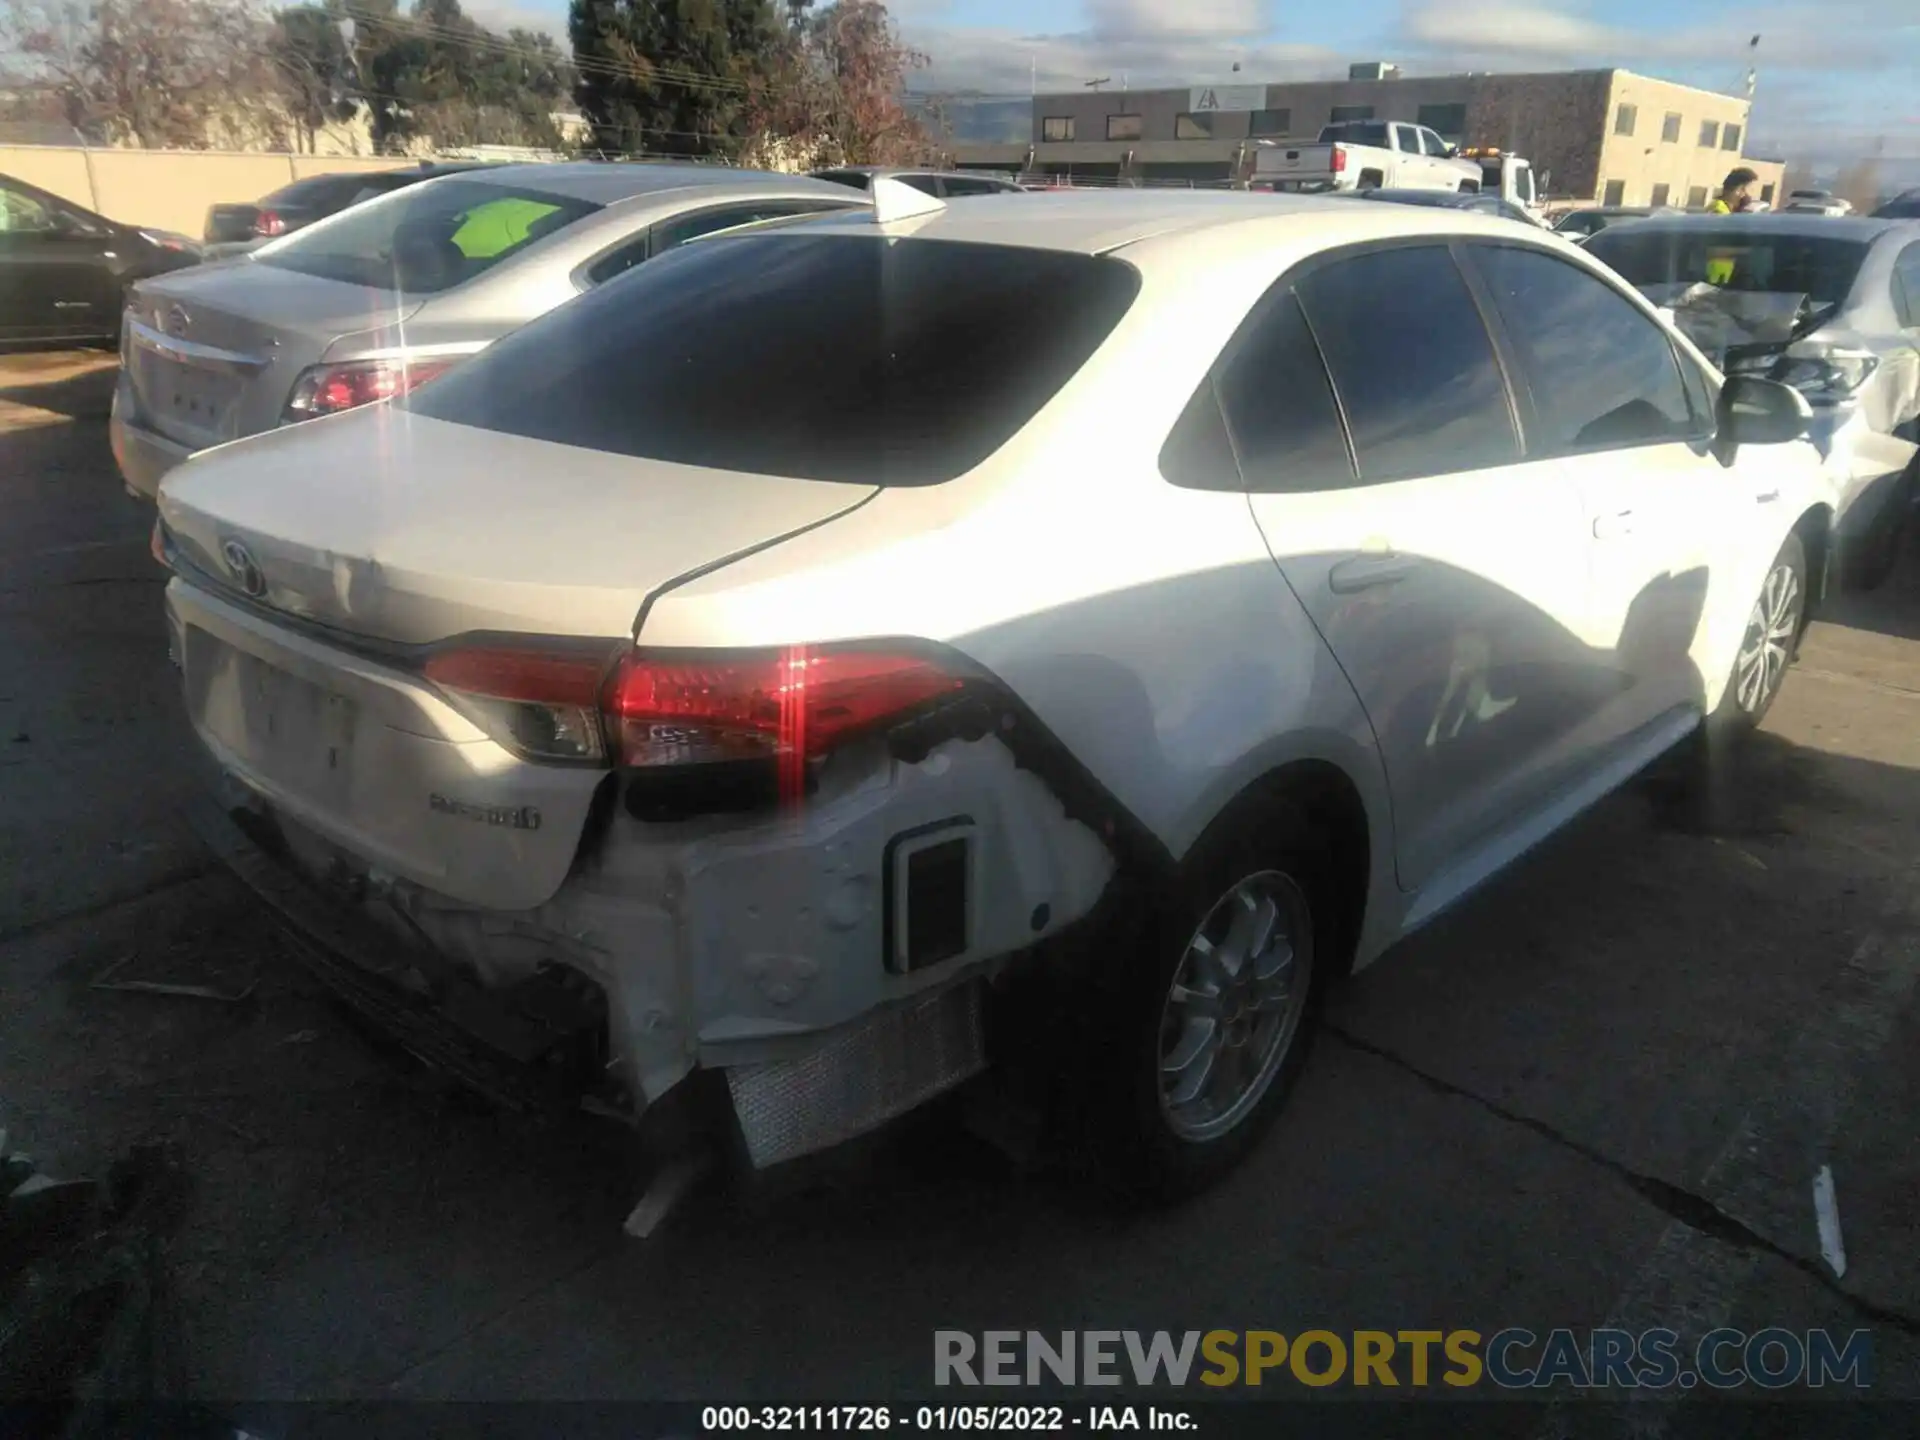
<point>1235,1006</point>
<point>1768,645</point>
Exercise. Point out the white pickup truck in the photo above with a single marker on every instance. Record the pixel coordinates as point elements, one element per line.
<point>1365,155</point>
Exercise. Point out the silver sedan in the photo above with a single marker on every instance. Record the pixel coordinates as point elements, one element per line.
<point>1831,306</point>
<point>368,303</point>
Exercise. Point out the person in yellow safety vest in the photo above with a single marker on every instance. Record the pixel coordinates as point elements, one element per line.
<point>1736,192</point>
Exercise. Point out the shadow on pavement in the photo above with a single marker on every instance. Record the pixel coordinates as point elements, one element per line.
<point>85,395</point>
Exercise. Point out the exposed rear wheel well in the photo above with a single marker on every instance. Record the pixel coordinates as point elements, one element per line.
<point>1327,801</point>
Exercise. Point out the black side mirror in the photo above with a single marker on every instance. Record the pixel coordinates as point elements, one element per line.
<point>1752,411</point>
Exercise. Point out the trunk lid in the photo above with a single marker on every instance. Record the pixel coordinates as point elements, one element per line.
<point>213,353</point>
<point>404,529</point>
<point>386,524</point>
<point>231,222</point>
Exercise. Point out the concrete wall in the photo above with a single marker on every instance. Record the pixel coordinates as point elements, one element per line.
<point>1553,120</point>
<point>167,189</point>
<point>1646,158</point>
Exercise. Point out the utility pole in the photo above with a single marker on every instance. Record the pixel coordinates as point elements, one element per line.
<point>1096,84</point>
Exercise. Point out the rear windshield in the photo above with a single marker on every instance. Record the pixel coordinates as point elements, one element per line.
<point>425,238</point>
<point>1820,267</point>
<point>821,357</point>
<point>315,190</point>
<point>1358,132</point>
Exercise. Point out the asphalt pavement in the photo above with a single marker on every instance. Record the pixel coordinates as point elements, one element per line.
<point>1597,1094</point>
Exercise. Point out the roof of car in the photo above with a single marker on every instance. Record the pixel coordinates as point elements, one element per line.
<point>1092,222</point>
<point>605,182</point>
<point>1779,222</point>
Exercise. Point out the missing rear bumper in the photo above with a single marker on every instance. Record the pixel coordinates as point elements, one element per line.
<point>883,1065</point>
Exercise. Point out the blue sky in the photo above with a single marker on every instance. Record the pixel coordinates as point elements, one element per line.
<point>1835,75</point>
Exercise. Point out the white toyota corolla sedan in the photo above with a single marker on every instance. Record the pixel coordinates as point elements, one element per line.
<point>778,676</point>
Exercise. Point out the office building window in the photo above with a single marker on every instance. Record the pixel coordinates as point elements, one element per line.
<point>1709,134</point>
<point>1271,122</point>
<point>1446,120</point>
<point>1730,138</point>
<point>1697,198</point>
<point>1193,127</point>
<point>1670,128</point>
<point>1123,127</point>
<point>1660,193</point>
<point>1057,127</point>
<point>1340,114</point>
<point>1624,118</point>
<point>1615,193</point>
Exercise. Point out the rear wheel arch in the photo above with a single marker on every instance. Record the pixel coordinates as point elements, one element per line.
<point>1324,798</point>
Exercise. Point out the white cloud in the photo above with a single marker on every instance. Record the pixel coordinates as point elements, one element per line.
<point>1003,61</point>
<point>1126,20</point>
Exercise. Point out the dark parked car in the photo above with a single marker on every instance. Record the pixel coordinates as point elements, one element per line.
<point>1902,207</point>
<point>305,201</point>
<point>1476,201</point>
<point>944,183</point>
<point>64,269</point>
<point>1577,225</point>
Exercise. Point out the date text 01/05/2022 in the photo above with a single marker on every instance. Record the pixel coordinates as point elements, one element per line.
<point>1041,1419</point>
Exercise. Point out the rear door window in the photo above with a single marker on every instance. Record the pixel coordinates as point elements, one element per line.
<point>1412,364</point>
<point>968,185</point>
<point>820,356</point>
<point>1602,375</point>
<point>1279,404</point>
<point>671,234</point>
<point>425,238</point>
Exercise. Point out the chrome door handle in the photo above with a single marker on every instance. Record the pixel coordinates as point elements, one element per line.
<point>1766,497</point>
<point>1607,527</point>
<point>1363,572</point>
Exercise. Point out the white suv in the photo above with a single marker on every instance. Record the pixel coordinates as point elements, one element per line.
<point>753,669</point>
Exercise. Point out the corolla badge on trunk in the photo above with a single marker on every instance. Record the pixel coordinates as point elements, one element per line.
<point>511,817</point>
<point>244,568</point>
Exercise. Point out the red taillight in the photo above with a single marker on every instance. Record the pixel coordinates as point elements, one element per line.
<point>329,389</point>
<point>795,704</point>
<point>543,704</point>
<point>1339,160</point>
<point>662,709</point>
<point>269,222</point>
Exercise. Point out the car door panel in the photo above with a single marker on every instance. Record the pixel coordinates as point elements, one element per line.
<point>55,271</point>
<point>1459,642</point>
<point>1608,403</point>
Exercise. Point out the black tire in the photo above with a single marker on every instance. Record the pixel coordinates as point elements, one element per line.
<point>1369,180</point>
<point>1140,1151</point>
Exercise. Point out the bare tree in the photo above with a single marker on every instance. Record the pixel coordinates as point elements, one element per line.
<point>839,90</point>
<point>187,73</point>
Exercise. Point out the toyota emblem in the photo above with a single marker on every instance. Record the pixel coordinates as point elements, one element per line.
<point>244,568</point>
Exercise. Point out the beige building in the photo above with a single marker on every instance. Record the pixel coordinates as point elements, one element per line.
<point>1605,136</point>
